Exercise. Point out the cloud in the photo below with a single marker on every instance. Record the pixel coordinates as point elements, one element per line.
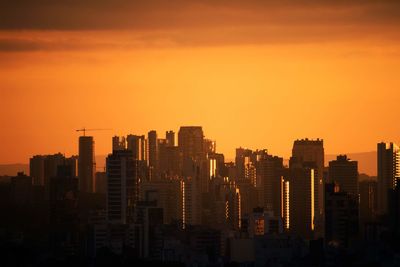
<point>195,23</point>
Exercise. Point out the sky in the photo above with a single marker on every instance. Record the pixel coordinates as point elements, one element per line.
<point>255,74</point>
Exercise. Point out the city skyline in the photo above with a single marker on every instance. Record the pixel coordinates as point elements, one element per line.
<point>200,133</point>
<point>254,73</point>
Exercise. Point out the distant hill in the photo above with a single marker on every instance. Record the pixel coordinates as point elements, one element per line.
<point>13,169</point>
<point>367,161</point>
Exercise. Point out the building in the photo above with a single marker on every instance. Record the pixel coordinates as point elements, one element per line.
<point>137,144</point>
<point>243,163</point>
<point>170,137</point>
<point>191,202</point>
<point>191,142</point>
<point>194,161</point>
<point>153,154</point>
<point>44,167</point>
<point>64,215</point>
<point>101,182</point>
<point>341,216</point>
<point>388,173</point>
<point>368,201</point>
<point>312,151</point>
<point>344,172</point>
<point>36,169</point>
<point>302,198</point>
<point>122,187</point>
<point>149,217</point>
<point>86,165</point>
<point>269,173</point>
<point>167,195</point>
<point>21,189</point>
<point>118,143</point>
<point>261,222</point>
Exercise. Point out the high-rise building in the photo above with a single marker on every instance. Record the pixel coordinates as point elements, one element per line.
<point>86,164</point>
<point>368,201</point>
<point>191,142</point>
<point>344,172</point>
<point>167,194</point>
<point>170,137</point>
<point>118,143</point>
<point>36,169</point>
<point>243,159</point>
<point>312,151</point>
<point>122,187</point>
<point>137,144</point>
<point>64,215</point>
<point>101,182</point>
<point>21,189</point>
<point>153,153</point>
<point>341,208</point>
<point>302,198</point>
<point>269,172</point>
<point>388,173</point>
<point>44,167</point>
<point>210,146</point>
<point>191,202</point>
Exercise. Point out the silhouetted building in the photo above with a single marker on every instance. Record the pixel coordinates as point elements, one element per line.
<point>368,201</point>
<point>244,165</point>
<point>153,154</point>
<point>21,189</point>
<point>44,167</point>
<point>64,220</point>
<point>170,137</point>
<point>36,169</point>
<point>86,164</point>
<point>191,202</point>
<point>388,173</point>
<point>101,182</point>
<point>302,198</point>
<point>341,216</point>
<point>313,151</point>
<point>149,217</point>
<point>137,144</point>
<point>210,146</point>
<point>118,143</point>
<point>269,172</point>
<point>191,141</point>
<point>261,222</point>
<point>344,172</point>
<point>167,194</point>
<point>122,187</point>
<point>249,197</point>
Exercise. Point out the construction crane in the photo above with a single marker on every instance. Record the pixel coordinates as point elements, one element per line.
<point>84,130</point>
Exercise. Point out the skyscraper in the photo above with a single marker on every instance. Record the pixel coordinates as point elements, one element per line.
<point>344,172</point>
<point>388,173</point>
<point>153,153</point>
<point>86,164</point>
<point>269,172</point>
<point>312,151</point>
<point>36,169</point>
<point>122,187</point>
<point>341,208</point>
<point>137,144</point>
<point>170,137</point>
<point>191,144</point>
<point>118,143</point>
<point>301,198</point>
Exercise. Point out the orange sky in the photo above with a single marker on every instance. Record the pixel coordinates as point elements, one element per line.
<point>255,76</point>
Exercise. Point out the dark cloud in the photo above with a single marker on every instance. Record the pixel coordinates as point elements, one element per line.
<point>195,23</point>
<point>160,14</point>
